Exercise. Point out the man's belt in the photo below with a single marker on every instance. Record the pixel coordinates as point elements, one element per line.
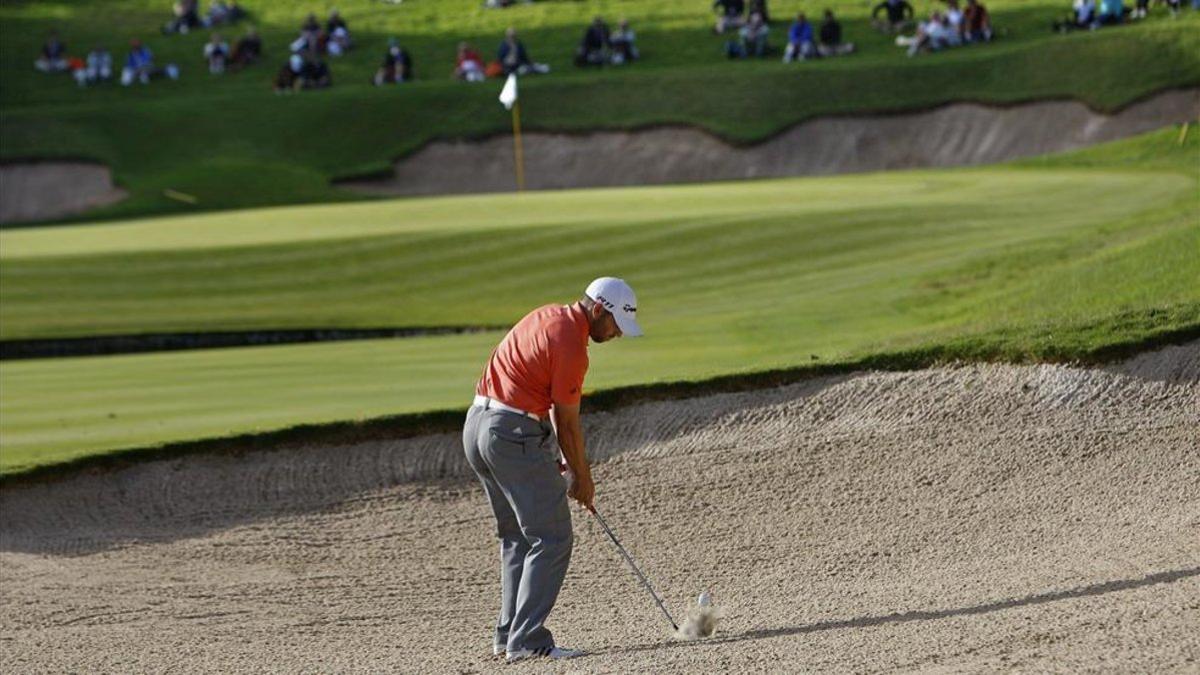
<point>486,403</point>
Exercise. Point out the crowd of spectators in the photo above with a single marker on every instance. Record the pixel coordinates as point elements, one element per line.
<point>953,27</point>
<point>746,23</point>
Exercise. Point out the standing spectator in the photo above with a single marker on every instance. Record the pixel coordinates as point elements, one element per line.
<point>396,66</point>
<point>800,40</point>
<point>468,65</point>
<point>830,36</point>
<point>247,50</point>
<point>977,24</point>
<point>186,18</point>
<point>334,22</point>
<point>310,24</point>
<point>593,49</point>
<point>216,52</point>
<point>729,15</point>
<point>624,44</point>
<point>97,67</point>
<point>754,37</point>
<point>899,16</point>
<point>54,55</point>
<point>514,59</point>
<point>337,35</point>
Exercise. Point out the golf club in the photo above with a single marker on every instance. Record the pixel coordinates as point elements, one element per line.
<point>633,565</point>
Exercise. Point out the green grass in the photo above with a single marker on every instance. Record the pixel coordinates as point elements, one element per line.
<point>1051,259</point>
<point>233,144</point>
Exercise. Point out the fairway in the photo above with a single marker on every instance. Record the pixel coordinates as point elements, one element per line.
<point>1052,259</point>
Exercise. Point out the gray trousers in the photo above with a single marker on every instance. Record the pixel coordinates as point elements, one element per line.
<point>518,465</point>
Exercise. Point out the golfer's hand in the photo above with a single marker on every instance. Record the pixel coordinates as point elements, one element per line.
<point>582,489</point>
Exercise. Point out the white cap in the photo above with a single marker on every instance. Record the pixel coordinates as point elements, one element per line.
<point>617,297</point>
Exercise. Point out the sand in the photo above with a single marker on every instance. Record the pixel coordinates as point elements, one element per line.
<point>953,135</point>
<point>968,518</point>
<point>31,191</point>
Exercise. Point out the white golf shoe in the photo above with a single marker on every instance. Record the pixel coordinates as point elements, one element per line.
<point>546,652</point>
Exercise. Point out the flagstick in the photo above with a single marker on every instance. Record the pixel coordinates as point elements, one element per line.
<point>516,111</point>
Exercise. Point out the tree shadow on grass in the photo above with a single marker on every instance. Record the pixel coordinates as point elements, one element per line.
<point>1096,589</point>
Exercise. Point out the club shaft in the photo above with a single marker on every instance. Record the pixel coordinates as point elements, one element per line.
<point>629,559</point>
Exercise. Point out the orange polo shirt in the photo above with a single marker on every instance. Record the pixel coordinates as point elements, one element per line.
<point>540,362</point>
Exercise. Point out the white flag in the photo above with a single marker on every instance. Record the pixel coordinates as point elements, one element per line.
<point>508,95</point>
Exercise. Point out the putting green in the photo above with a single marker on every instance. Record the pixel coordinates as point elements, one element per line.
<point>1047,260</point>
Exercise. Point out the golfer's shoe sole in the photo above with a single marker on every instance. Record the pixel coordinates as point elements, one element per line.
<point>544,652</point>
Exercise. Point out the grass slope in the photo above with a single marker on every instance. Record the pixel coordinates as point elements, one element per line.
<point>233,144</point>
<point>1051,259</point>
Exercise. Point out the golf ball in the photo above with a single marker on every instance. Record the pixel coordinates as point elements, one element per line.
<point>704,600</point>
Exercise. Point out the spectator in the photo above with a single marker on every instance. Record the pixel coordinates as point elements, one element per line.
<point>186,17</point>
<point>54,55</point>
<point>932,35</point>
<point>139,65</point>
<point>593,49</point>
<point>760,7</point>
<point>291,76</point>
<point>97,67</point>
<point>753,39</point>
<point>831,38</point>
<point>219,12</point>
<point>954,18</point>
<point>729,15</point>
<point>1083,16</point>
<point>623,43</point>
<point>977,24</point>
<point>800,40</point>
<point>899,16</point>
<point>247,50</point>
<point>310,24</point>
<point>1112,12</point>
<point>468,65</point>
<point>335,22</point>
<point>396,66</point>
<point>514,59</point>
<point>216,52</point>
<point>316,73</point>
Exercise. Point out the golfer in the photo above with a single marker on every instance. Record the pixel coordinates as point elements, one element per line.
<point>530,389</point>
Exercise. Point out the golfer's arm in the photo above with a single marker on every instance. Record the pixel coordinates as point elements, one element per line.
<point>570,437</point>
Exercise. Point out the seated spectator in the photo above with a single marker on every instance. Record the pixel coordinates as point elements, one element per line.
<point>468,65</point>
<point>291,76</point>
<point>316,73</point>
<point>334,22</point>
<point>977,24</point>
<point>97,68</point>
<point>514,59</point>
<point>752,39</point>
<point>396,67</point>
<point>593,49</point>
<point>954,17</point>
<point>1083,16</point>
<point>729,15</point>
<point>759,7</point>
<point>932,35</point>
<point>54,55</point>
<point>623,43</point>
<point>247,50</point>
<point>1112,12</point>
<point>218,13</point>
<point>830,37</point>
<point>186,18</point>
<point>139,65</point>
<point>899,16</point>
<point>800,40</point>
<point>216,53</point>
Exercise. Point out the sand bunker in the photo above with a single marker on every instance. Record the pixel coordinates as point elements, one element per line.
<point>953,135</point>
<point>45,190</point>
<point>983,517</point>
